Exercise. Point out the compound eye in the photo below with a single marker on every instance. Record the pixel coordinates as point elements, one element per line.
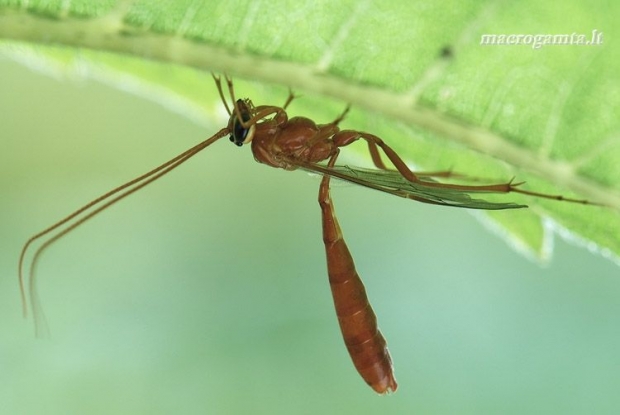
<point>241,135</point>
<point>249,134</point>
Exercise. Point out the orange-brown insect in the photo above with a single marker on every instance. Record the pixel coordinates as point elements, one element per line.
<point>296,143</point>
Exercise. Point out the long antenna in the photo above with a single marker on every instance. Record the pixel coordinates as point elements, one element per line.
<point>130,187</point>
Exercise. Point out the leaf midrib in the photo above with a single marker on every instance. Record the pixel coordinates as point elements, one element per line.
<point>110,33</point>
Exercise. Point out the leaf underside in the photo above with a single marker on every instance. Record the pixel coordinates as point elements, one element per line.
<point>415,75</point>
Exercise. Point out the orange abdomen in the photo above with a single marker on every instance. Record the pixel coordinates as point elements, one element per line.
<point>358,322</point>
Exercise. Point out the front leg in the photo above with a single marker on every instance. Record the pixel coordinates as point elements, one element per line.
<point>358,322</point>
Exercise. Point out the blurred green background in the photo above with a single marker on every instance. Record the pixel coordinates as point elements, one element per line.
<point>207,291</point>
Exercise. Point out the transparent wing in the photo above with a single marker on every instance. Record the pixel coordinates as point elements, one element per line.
<point>427,190</point>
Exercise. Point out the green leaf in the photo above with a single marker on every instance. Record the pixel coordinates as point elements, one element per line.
<point>550,112</point>
<point>415,74</point>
